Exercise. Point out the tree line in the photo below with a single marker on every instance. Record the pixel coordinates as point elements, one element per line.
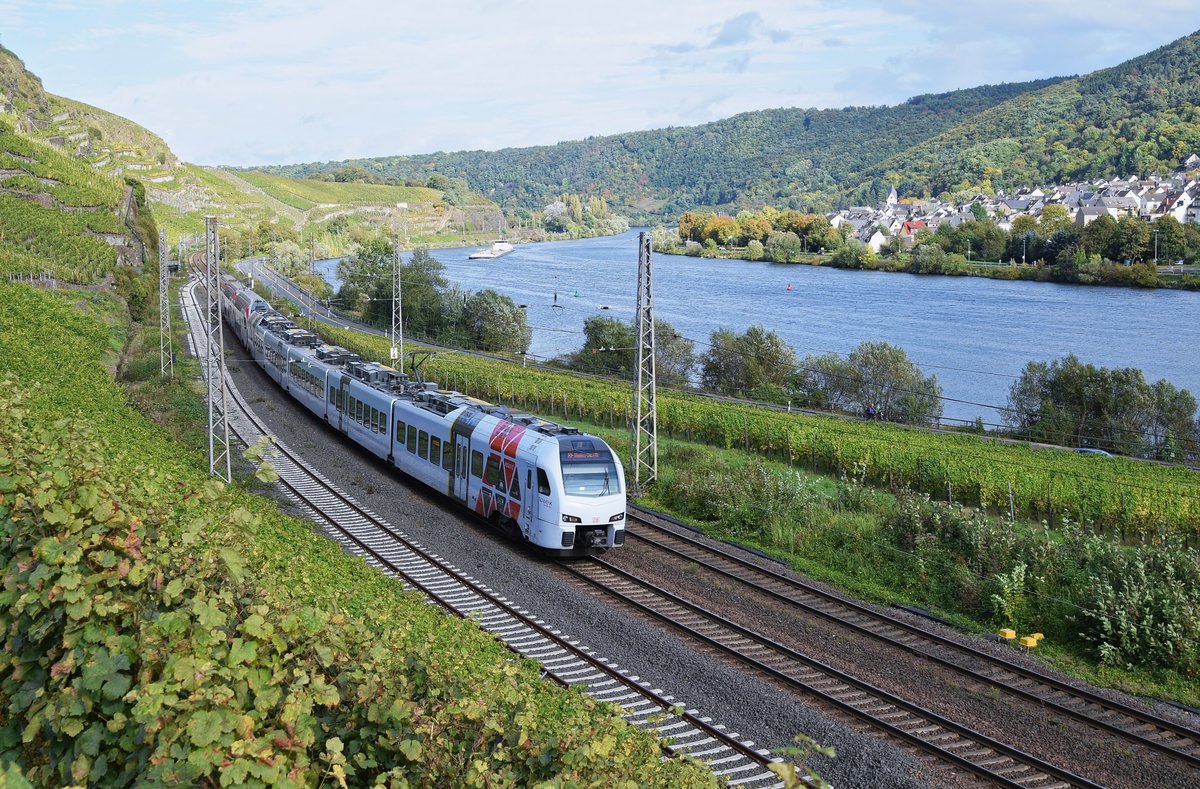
<point>433,308</point>
<point>1065,402</point>
<point>1105,251</point>
<point>877,380</point>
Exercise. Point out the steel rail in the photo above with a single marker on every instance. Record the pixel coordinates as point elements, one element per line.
<point>978,753</point>
<point>1168,737</point>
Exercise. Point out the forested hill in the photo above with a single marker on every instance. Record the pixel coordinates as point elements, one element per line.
<point>1132,119</point>
<point>795,157</point>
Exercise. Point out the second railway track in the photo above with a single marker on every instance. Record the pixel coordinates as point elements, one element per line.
<point>949,742</point>
<point>1048,693</point>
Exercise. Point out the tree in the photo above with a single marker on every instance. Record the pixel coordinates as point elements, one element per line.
<point>754,250</point>
<point>1171,426</point>
<point>853,254</point>
<point>979,212</point>
<point>877,379</point>
<point>1171,239</point>
<point>753,228</point>
<point>608,348</point>
<point>370,262</point>
<point>1054,218</point>
<point>690,225</point>
<point>783,247</point>
<point>1131,240</point>
<point>493,322</point>
<point>1024,223</point>
<point>674,355</point>
<point>1098,236</point>
<point>757,363</point>
<point>422,296</point>
<point>1076,404</point>
<point>720,229</point>
<point>987,240</point>
<point>364,272</point>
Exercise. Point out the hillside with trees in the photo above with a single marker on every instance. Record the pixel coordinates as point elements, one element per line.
<point>1135,118</point>
<point>794,157</point>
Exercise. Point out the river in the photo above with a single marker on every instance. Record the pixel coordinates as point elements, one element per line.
<point>975,334</point>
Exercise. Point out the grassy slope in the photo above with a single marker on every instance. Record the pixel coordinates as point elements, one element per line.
<point>65,344</point>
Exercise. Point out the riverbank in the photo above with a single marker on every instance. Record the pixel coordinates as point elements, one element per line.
<point>1141,275</point>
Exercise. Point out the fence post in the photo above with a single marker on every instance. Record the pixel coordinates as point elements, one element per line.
<point>1012,513</point>
<point>949,492</point>
<point>1050,499</point>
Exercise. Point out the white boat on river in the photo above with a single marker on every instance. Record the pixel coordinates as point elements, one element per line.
<point>499,248</point>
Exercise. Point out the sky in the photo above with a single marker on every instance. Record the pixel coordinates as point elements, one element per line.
<point>273,82</point>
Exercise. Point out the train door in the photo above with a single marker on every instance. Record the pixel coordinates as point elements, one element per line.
<point>529,496</point>
<point>462,465</point>
<point>343,396</point>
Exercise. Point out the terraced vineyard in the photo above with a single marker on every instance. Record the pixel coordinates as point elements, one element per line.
<point>58,215</point>
<point>304,194</point>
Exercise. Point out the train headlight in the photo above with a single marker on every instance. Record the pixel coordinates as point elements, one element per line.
<point>571,519</point>
<point>620,516</point>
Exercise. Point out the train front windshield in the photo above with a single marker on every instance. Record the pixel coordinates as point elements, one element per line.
<point>589,472</point>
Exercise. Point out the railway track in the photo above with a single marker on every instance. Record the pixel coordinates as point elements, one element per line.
<point>564,660</point>
<point>1048,693</point>
<point>930,733</point>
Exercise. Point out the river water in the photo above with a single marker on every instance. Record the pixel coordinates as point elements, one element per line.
<point>975,334</point>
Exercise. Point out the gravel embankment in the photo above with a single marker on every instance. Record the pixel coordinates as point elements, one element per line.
<point>744,703</point>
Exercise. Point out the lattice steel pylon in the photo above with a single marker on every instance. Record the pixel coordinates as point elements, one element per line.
<point>397,312</point>
<point>644,441</point>
<point>214,359</point>
<point>166,359</point>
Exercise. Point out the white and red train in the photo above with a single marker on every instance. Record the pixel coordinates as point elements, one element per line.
<point>553,486</point>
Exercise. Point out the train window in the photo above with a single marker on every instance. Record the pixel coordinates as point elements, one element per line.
<point>476,464</point>
<point>491,475</point>
<point>423,446</point>
<point>529,478</point>
<point>411,440</point>
<point>514,490</point>
<point>448,457</point>
<point>435,450</point>
<point>399,432</point>
<point>543,482</point>
<point>376,420</point>
<point>591,477</point>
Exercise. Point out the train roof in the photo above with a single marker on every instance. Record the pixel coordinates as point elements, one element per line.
<point>390,381</point>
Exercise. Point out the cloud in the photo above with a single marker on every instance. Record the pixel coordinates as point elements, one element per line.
<point>274,81</point>
<point>739,30</point>
<point>736,31</point>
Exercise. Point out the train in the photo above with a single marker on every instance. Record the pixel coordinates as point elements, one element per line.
<point>547,484</point>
